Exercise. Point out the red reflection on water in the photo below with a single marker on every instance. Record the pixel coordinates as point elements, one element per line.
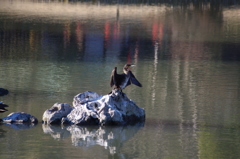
<point>157,33</point>
<point>79,35</point>
<point>116,30</point>
<point>106,34</point>
<point>106,31</point>
<point>66,34</point>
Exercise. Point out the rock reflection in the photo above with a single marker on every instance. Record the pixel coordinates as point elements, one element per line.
<point>18,126</point>
<point>2,133</point>
<point>57,132</point>
<point>110,138</point>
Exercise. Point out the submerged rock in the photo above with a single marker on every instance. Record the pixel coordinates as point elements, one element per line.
<point>19,117</point>
<point>90,108</point>
<point>2,107</point>
<point>3,91</point>
<point>56,113</point>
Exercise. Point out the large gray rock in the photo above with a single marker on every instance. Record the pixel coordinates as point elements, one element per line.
<point>90,108</point>
<point>19,117</point>
<point>56,113</point>
<point>112,109</point>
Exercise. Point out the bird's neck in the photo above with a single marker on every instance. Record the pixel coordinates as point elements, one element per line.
<point>125,71</point>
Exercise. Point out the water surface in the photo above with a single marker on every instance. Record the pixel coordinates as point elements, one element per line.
<point>187,58</point>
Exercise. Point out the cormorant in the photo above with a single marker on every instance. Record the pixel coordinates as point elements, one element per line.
<point>2,107</point>
<point>120,81</point>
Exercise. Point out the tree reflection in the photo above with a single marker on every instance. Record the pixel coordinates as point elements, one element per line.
<point>111,33</point>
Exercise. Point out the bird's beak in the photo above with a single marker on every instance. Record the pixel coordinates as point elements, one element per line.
<point>129,68</point>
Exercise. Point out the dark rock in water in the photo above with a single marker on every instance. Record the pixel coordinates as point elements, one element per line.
<point>93,109</point>
<point>56,113</point>
<point>19,117</point>
<point>2,107</point>
<point>3,91</point>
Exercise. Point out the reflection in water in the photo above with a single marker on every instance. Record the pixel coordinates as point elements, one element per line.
<point>111,36</point>
<point>111,138</point>
<point>2,132</point>
<point>57,132</point>
<point>154,74</point>
<point>19,126</point>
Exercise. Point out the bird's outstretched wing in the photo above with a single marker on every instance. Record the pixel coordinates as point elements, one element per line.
<point>112,81</point>
<point>134,80</point>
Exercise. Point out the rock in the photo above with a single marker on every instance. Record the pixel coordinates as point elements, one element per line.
<point>19,117</point>
<point>90,108</point>
<point>3,91</point>
<point>56,113</point>
<point>2,107</point>
<point>112,109</point>
<point>85,97</point>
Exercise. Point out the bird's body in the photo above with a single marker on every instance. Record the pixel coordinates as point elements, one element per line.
<point>121,81</point>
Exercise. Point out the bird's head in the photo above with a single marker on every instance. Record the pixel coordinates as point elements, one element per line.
<point>127,67</point>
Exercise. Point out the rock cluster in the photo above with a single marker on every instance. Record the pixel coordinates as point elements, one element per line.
<point>90,108</point>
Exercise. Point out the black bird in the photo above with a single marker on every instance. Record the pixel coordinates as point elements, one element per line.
<point>2,107</point>
<point>121,81</point>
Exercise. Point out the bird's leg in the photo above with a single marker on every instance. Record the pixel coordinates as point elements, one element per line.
<point>119,89</point>
<point>112,90</point>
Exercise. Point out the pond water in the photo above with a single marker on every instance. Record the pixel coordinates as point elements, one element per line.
<point>187,56</point>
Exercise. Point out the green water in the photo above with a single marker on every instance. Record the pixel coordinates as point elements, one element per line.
<point>187,58</point>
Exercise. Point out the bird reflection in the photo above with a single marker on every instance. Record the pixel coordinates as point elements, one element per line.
<point>121,81</point>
